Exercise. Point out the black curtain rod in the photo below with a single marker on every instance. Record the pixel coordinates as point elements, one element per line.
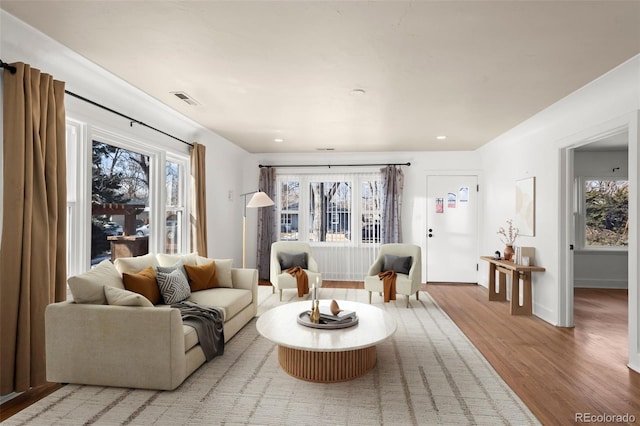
<point>12,70</point>
<point>132,120</point>
<point>332,165</point>
<point>7,67</point>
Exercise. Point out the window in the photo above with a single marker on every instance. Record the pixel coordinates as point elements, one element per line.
<point>175,241</point>
<point>371,196</point>
<point>119,200</point>
<point>329,211</point>
<point>117,187</point>
<point>606,213</point>
<point>289,204</point>
<point>327,203</point>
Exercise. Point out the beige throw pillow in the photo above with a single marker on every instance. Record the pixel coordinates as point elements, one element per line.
<point>88,287</point>
<point>132,265</point>
<point>171,259</point>
<point>121,297</point>
<point>223,270</point>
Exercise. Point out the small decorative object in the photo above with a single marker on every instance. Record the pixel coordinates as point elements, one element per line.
<point>508,237</point>
<point>496,255</point>
<point>315,313</point>
<point>335,309</point>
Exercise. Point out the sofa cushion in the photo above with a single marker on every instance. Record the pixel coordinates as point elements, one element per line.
<point>173,286</point>
<point>171,259</point>
<point>132,265</point>
<point>202,277</point>
<point>122,297</point>
<point>88,287</point>
<point>230,300</point>
<point>223,270</point>
<point>144,283</point>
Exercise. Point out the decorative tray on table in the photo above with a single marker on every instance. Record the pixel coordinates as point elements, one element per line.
<point>329,321</point>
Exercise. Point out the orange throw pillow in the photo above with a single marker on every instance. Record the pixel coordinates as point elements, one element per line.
<point>144,283</point>
<point>202,277</point>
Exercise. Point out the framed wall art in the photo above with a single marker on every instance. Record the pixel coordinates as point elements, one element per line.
<point>525,219</point>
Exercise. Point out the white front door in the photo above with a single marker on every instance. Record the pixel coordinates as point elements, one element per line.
<point>452,229</point>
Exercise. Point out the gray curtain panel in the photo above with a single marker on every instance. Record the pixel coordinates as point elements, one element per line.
<point>267,222</point>
<point>392,186</point>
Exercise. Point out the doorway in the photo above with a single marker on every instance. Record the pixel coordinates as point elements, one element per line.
<point>452,228</point>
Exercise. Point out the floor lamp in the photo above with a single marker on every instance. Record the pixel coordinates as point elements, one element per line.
<point>259,199</point>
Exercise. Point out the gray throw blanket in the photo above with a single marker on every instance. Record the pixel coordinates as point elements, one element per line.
<point>208,324</point>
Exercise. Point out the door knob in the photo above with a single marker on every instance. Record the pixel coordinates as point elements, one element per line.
<point>430,230</point>
<point>430,235</point>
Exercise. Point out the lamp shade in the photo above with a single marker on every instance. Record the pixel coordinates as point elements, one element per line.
<point>260,199</point>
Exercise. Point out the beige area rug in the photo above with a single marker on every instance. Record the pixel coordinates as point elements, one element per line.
<point>428,373</point>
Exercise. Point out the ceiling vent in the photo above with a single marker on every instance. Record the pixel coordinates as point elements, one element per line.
<point>186,98</point>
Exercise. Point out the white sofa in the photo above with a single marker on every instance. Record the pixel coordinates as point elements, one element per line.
<point>147,346</point>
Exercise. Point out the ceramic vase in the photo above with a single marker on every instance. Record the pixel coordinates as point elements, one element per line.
<point>508,252</point>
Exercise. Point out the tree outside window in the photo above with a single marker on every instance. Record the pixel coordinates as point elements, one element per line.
<point>119,196</point>
<point>606,213</point>
<point>330,208</point>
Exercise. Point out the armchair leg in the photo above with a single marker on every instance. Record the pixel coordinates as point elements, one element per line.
<point>418,295</point>
<point>369,297</point>
<point>408,300</point>
<point>281,295</point>
<point>273,289</point>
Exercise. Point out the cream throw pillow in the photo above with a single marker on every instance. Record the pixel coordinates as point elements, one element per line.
<point>134,265</point>
<point>121,297</point>
<point>171,259</point>
<point>88,287</point>
<point>223,270</point>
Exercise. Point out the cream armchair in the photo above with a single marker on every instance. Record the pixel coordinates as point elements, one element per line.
<point>406,284</point>
<point>285,250</point>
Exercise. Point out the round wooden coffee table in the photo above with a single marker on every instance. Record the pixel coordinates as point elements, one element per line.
<point>319,355</point>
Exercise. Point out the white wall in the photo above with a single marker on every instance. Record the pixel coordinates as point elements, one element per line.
<point>600,268</point>
<point>21,43</point>
<point>533,148</point>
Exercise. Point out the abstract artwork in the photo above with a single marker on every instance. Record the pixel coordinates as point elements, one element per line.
<point>525,219</point>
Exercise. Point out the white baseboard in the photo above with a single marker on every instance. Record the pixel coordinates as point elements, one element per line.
<point>600,283</point>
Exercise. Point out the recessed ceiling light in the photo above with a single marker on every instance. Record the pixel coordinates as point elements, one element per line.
<point>325,149</point>
<point>441,137</point>
<point>358,92</point>
<point>278,140</point>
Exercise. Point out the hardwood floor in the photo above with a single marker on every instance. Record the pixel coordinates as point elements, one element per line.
<point>557,372</point>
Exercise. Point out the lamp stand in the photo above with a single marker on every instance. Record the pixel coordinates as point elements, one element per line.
<point>259,199</point>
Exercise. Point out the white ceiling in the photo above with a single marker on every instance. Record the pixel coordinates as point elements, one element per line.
<point>261,70</point>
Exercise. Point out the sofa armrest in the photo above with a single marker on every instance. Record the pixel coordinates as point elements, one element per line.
<point>114,345</point>
<point>247,279</point>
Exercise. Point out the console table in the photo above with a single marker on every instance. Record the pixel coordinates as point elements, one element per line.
<point>517,273</point>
